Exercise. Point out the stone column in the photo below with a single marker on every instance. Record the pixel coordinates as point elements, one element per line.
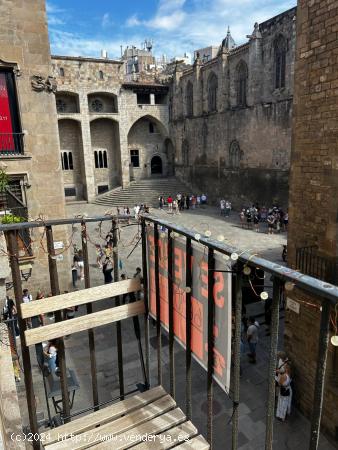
<point>87,148</point>
<point>255,67</point>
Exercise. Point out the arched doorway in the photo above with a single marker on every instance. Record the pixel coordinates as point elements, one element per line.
<point>156,165</point>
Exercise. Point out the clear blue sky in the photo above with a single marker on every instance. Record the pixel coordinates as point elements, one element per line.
<point>84,27</point>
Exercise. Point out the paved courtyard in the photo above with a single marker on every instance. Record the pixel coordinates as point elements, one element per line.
<point>291,435</point>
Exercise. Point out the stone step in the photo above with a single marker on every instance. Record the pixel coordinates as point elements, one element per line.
<point>143,191</point>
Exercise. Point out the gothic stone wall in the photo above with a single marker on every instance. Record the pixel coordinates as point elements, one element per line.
<point>80,77</point>
<point>313,189</point>
<point>262,128</point>
<point>24,42</point>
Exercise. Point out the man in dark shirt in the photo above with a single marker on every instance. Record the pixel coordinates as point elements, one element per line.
<point>107,272</point>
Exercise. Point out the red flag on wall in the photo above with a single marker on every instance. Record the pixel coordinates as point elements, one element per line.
<point>6,129</point>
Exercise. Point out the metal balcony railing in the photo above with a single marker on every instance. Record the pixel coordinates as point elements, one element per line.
<point>310,262</point>
<point>160,260</point>
<point>11,144</point>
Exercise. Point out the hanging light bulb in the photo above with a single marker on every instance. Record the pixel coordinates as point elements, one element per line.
<point>234,256</point>
<point>162,235</point>
<point>220,238</point>
<point>289,285</point>
<point>334,340</point>
<point>208,233</point>
<point>264,295</point>
<point>247,270</point>
<point>22,252</point>
<point>197,236</point>
<point>188,289</point>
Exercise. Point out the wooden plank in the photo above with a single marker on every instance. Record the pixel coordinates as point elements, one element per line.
<point>10,418</point>
<point>145,430</point>
<point>169,438</point>
<point>55,330</point>
<point>82,297</point>
<point>103,416</point>
<point>95,436</point>
<point>197,443</point>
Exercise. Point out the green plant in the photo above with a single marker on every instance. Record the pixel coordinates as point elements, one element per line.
<point>3,180</point>
<point>11,218</point>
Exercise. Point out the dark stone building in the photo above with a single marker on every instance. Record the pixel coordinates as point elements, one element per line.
<point>230,117</point>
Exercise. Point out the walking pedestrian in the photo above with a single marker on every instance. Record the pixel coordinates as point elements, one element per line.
<point>284,396</point>
<point>242,217</point>
<point>271,222</point>
<point>252,337</point>
<point>227,208</point>
<point>160,202</point>
<point>50,352</point>
<point>222,207</point>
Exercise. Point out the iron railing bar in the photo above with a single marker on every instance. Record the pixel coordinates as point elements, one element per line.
<point>27,368</point>
<point>308,283</point>
<point>55,289</point>
<point>171,315</point>
<point>210,369</point>
<point>57,222</point>
<point>324,335</point>
<point>188,283</point>
<point>158,305</point>
<point>89,309</point>
<point>237,355</point>
<point>117,302</point>
<point>146,299</point>
<point>270,412</point>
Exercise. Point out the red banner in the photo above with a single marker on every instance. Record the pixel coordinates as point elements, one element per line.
<point>199,303</point>
<point>6,130</point>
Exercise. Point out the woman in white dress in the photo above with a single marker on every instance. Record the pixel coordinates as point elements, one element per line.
<point>284,396</point>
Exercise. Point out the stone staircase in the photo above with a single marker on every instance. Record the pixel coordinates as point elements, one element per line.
<point>143,191</point>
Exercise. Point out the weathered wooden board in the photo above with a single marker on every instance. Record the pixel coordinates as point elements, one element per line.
<point>103,416</point>
<point>59,329</point>
<point>82,297</point>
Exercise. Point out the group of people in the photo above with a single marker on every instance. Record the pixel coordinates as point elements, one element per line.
<point>225,207</point>
<point>182,201</point>
<point>250,334</point>
<point>137,209</point>
<point>276,219</point>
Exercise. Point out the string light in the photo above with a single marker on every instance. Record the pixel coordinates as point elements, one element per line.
<point>207,233</point>
<point>334,340</point>
<point>220,238</point>
<point>264,295</point>
<point>247,270</point>
<point>197,236</point>
<point>234,256</point>
<point>188,289</point>
<point>289,285</point>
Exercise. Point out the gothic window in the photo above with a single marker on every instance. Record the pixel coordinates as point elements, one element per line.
<point>212,92</point>
<point>189,98</point>
<point>235,155</point>
<point>61,106</point>
<point>67,161</point>
<point>101,160</point>
<point>280,62</point>
<point>62,72</point>
<point>151,127</point>
<point>97,105</point>
<point>241,83</point>
<point>100,75</point>
<point>185,152</point>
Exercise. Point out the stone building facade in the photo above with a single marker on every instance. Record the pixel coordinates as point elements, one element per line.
<point>313,207</point>
<point>230,117</point>
<point>111,131</point>
<point>29,142</point>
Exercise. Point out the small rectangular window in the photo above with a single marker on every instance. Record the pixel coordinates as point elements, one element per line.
<point>135,158</point>
<point>102,189</point>
<point>70,192</point>
<point>143,99</point>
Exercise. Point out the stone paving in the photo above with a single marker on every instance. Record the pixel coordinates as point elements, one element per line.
<point>287,436</point>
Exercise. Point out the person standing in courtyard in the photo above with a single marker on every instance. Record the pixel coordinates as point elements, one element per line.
<point>227,208</point>
<point>285,394</point>
<point>271,222</point>
<point>252,337</point>
<point>170,204</point>
<point>222,207</point>
<point>160,202</point>
<point>107,271</point>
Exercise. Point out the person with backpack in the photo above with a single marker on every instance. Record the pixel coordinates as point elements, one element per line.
<point>252,337</point>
